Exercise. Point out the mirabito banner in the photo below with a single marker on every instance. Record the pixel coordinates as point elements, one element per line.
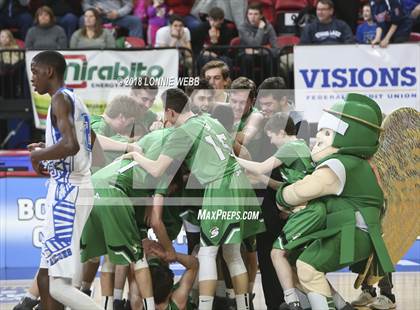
<point>97,76</point>
<point>325,74</point>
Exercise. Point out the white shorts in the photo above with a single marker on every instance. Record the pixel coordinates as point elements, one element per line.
<point>67,208</point>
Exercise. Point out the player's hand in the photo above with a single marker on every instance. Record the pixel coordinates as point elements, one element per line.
<point>170,256</point>
<point>31,147</point>
<point>131,155</point>
<point>39,167</point>
<point>134,147</point>
<point>113,15</point>
<point>156,125</point>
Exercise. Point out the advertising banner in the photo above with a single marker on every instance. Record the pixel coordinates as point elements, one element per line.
<point>97,76</point>
<point>389,75</point>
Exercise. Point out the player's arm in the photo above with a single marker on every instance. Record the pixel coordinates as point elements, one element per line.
<point>156,223</point>
<point>180,295</point>
<point>260,168</point>
<point>154,167</point>
<point>274,184</point>
<point>62,110</point>
<point>109,144</point>
<point>251,129</point>
<point>98,157</point>
<point>321,182</point>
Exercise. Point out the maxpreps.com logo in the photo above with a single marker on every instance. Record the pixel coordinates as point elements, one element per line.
<point>79,71</point>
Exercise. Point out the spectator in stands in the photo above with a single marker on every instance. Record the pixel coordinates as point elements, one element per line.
<point>366,32</point>
<point>67,14</point>
<point>11,65</point>
<point>217,73</point>
<point>15,14</point>
<point>412,7</point>
<point>45,34</point>
<point>157,13</point>
<point>255,31</point>
<point>326,29</point>
<point>183,9</point>
<point>215,31</point>
<point>174,35</point>
<point>92,35</point>
<point>394,24</point>
<point>117,13</point>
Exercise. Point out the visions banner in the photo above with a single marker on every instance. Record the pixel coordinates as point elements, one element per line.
<point>97,76</point>
<point>324,75</point>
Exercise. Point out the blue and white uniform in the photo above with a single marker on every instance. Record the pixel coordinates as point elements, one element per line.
<point>70,195</point>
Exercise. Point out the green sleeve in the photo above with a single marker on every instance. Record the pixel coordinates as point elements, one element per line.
<point>287,154</point>
<point>178,145</point>
<point>98,124</point>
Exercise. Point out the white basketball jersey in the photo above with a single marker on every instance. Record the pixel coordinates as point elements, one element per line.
<point>72,169</point>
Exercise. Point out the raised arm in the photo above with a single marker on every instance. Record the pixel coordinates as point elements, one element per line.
<point>260,168</point>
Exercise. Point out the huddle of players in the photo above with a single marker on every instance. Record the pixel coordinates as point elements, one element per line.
<point>129,199</point>
<point>195,153</point>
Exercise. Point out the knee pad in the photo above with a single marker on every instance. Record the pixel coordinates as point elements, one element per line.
<point>312,279</point>
<point>141,264</point>
<point>107,266</point>
<point>207,259</point>
<point>233,259</point>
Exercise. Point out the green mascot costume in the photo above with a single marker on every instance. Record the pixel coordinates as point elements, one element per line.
<point>348,135</point>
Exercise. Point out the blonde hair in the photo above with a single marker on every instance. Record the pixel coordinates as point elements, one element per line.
<point>12,43</point>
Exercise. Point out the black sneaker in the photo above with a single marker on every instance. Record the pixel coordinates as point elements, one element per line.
<point>26,303</point>
<point>127,305</point>
<point>251,301</point>
<point>87,292</point>
<point>295,306</point>
<point>119,304</point>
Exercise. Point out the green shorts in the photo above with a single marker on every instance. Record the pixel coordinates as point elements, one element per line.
<point>226,202</point>
<point>112,229</point>
<point>301,224</point>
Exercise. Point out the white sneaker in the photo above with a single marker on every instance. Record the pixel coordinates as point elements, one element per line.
<point>364,299</point>
<point>382,303</point>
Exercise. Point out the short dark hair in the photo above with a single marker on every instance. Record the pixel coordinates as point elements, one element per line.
<point>202,84</point>
<point>246,84</point>
<point>326,2</point>
<point>255,6</point>
<point>176,99</point>
<point>143,82</point>
<point>174,17</point>
<point>216,13</point>
<point>216,64</point>
<point>53,59</point>
<point>224,114</point>
<point>162,282</point>
<point>281,121</point>
<point>271,86</point>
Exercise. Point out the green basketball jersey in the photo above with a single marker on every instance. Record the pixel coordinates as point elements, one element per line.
<point>296,160</point>
<point>239,126</point>
<point>205,146</point>
<point>100,127</point>
<point>153,137</point>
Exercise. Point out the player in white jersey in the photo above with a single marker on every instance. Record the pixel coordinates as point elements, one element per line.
<point>67,156</point>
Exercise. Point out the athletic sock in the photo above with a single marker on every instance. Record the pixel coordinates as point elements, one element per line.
<point>318,301</point>
<point>107,302</point>
<point>206,302</point>
<point>149,303</point>
<point>242,301</point>
<point>118,294</point>
<point>230,293</point>
<point>290,296</point>
<point>303,299</point>
<point>339,302</point>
